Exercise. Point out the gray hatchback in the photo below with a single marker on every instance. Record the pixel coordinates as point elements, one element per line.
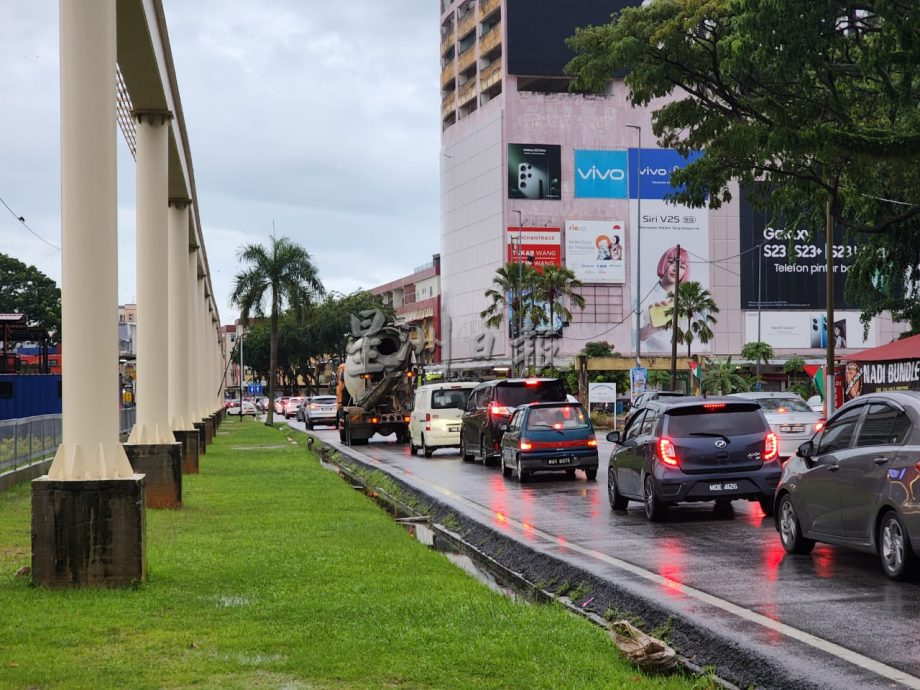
<point>855,483</point>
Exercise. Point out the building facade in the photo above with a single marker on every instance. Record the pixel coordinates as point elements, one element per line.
<point>578,180</point>
<point>416,300</point>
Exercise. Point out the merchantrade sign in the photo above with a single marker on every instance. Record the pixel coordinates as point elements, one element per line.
<point>600,174</point>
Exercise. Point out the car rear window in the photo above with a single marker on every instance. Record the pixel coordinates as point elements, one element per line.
<point>520,393</point>
<point>561,417</point>
<point>783,405</point>
<point>448,399</point>
<point>323,400</point>
<point>730,420</point>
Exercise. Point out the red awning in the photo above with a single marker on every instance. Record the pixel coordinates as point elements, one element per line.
<point>908,348</point>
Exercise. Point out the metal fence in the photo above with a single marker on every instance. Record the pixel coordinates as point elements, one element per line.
<point>26,441</point>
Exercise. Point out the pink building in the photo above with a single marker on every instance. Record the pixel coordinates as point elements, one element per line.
<point>416,299</point>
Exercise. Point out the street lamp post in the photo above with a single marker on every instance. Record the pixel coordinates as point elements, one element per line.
<point>638,243</point>
<point>518,316</point>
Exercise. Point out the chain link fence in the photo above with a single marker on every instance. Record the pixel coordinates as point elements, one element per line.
<point>26,441</point>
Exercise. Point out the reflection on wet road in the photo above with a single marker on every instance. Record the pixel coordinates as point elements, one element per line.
<point>832,616</point>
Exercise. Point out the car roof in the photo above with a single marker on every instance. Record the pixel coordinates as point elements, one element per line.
<point>693,401</point>
<point>448,385</point>
<point>759,395</point>
<point>553,403</point>
<point>531,379</point>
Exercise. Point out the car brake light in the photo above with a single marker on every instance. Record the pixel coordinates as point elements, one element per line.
<point>525,445</point>
<point>781,410</point>
<point>819,426</point>
<point>770,447</point>
<point>500,411</point>
<point>713,406</point>
<point>666,452</point>
<point>531,382</point>
<point>374,420</point>
<point>592,442</point>
<point>427,421</point>
<point>408,419</point>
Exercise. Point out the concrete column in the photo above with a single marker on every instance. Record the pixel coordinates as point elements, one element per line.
<point>179,342</point>
<point>89,296</point>
<point>204,400</point>
<point>191,353</point>
<point>152,281</point>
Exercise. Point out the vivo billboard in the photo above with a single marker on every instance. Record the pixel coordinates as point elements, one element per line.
<point>600,174</point>
<point>650,171</point>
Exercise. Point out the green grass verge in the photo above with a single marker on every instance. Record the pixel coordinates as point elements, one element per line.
<point>276,574</point>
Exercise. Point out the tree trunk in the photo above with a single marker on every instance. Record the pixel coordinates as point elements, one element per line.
<point>272,362</point>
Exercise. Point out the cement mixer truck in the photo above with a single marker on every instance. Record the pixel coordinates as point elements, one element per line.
<point>375,385</point>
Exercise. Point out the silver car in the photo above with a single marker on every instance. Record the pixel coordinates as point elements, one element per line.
<point>789,417</point>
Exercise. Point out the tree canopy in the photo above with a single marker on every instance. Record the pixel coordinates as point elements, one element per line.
<point>819,99</point>
<point>26,290</point>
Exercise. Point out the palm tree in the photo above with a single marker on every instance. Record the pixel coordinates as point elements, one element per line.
<point>512,281</point>
<point>696,305</point>
<point>553,285</point>
<point>283,274</point>
<point>758,351</point>
<point>724,377</point>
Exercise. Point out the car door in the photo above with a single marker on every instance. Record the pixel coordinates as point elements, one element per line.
<point>417,416</point>
<point>628,459</point>
<point>512,438</point>
<point>820,489</point>
<point>471,423</point>
<point>862,476</point>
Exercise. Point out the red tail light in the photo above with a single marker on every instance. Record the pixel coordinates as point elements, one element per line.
<point>667,453</point>
<point>592,442</point>
<point>819,426</point>
<point>525,444</point>
<point>770,447</point>
<point>531,382</point>
<point>713,406</point>
<point>500,411</point>
<point>427,421</point>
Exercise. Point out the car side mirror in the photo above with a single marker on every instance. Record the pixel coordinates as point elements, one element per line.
<point>614,437</point>
<point>502,427</point>
<point>806,450</point>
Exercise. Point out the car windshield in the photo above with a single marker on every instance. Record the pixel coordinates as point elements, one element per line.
<point>783,405</point>
<point>557,417</point>
<point>514,394</point>
<point>448,399</point>
<point>728,420</point>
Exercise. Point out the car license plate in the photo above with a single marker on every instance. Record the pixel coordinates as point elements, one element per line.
<point>726,486</point>
<point>559,461</point>
<point>792,429</point>
<point>453,429</point>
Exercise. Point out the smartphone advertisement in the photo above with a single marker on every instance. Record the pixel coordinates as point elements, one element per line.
<point>534,171</point>
<point>800,330</point>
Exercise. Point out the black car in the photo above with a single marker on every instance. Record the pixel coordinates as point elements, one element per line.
<point>693,449</point>
<point>547,437</point>
<point>854,483</point>
<point>489,407</point>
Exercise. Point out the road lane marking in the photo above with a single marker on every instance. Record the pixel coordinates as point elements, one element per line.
<point>848,655</point>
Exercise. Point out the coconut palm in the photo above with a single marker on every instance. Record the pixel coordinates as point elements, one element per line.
<point>724,377</point>
<point>511,283</point>
<point>696,305</point>
<point>283,274</point>
<point>553,284</point>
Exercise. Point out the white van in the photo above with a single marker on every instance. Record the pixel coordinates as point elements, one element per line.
<point>435,418</point>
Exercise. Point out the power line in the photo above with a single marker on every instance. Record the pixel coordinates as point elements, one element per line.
<point>22,221</point>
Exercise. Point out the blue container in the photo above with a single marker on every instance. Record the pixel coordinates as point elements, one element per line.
<point>29,395</point>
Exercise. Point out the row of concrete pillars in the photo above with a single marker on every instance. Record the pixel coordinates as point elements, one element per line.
<point>88,512</point>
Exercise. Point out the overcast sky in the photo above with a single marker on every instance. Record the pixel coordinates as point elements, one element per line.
<point>321,116</point>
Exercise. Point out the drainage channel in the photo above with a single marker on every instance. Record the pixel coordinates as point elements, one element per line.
<point>471,559</point>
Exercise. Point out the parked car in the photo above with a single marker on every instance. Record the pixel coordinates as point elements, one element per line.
<point>789,416</point>
<point>279,405</point>
<point>489,407</point>
<point>291,405</point>
<point>435,418</point>
<point>245,407</point>
<point>648,396</point>
<point>815,404</point>
<point>546,437</point>
<point>853,483</point>
<point>693,449</point>
<point>319,409</point>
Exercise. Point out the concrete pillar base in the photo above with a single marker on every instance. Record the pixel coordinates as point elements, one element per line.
<point>209,429</point>
<point>189,440</point>
<point>202,437</point>
<point>162,463</point>
<point>89,533</point>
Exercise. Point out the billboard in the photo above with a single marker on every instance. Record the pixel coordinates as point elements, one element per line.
<point>660,229</point>
<point>808,329</point>
<point>600,174</point>
<point>792,270</point>
<point>874,377</point>
<point>543,245</point>
<point>534,171</point>
<point>650,171</point>
<point>595,250</point>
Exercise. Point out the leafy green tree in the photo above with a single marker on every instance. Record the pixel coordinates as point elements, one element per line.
<point>696,305</point>
<point>725,377</point>
<point>555,284</point>
<point>598,349</point>
<point>511,283</point>
<point>281,274</point>
<point>757,351</point>
<point>818,99</point>
<point>26,290</point>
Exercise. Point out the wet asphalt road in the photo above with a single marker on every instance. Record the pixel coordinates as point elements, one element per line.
<point>832,618</point>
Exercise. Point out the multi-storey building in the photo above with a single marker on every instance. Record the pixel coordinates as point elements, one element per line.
<point>577,179</point>
<point>416,300</point>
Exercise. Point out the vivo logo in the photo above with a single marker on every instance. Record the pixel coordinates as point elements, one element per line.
<point>660,172</point>
<point>595,173</point>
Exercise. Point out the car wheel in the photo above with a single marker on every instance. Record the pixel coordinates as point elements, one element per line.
<point>766,505</point>
<point>655,510</point>
<point>412,449</point>
<point>790,532</point>
<point>591,474</point>
<point>894,547</point>
<point>348,439</point>
<point>617,500</point>
<point>310,425</point>
<point>506,471</point>
<point>522,474</point>
<point>425,450</point>
<point>466,455</point>
<point>341,434</point>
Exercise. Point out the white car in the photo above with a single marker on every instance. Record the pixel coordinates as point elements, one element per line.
<point>435,419</point>
<point>815,403</point>
<point>790,418</point>
<point>290,407</point>
<point>320,409</point>
<point>245,407</point>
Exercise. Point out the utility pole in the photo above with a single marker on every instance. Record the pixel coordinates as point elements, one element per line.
<point>759,302</point>
<point>241,375</point>
<point>830,393</point>
<point>518,316</point>
<point>638,242</point>
<point>674,317</point>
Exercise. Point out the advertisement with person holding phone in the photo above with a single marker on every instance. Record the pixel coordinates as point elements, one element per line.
<point>653,319</point>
